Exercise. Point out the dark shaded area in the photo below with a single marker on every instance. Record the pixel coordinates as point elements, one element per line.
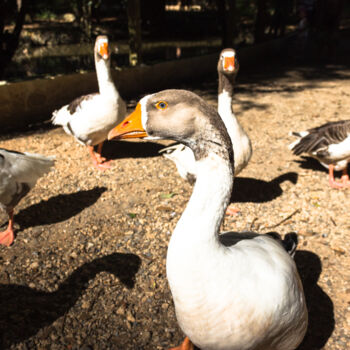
<point>58,208</point>
<point>125,149</point>
<point>24,311</point>
<point>311,164</point>
<point>320,306</point>
<point>258,191</point>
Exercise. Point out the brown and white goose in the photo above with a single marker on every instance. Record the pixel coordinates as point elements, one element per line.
<point>236,291</point>
<point>90,117</point>
<point>18,174</point>
<point>330,145</point>
<point>182,156</point>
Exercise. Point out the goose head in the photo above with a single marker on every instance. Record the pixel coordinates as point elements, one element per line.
<point>102,49</point>
<point>178,115</point>
<point>228,63</point>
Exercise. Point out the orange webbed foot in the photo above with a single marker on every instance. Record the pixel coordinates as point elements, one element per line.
<point>102,166</point>
<point>343,183</point>
<point>186,345</point>
<point>7,237</point>
<point>98,161</point>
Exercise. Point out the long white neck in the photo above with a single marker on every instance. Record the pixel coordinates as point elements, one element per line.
<point>196,233</point>
<point>240,140</point>
<point>104,77</point>
<point>226,113</point>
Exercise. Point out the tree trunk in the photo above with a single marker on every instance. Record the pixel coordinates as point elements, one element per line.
<point>227,14</point>
<point>134,25</point>
<point>9,40</point>
<point>84,14</point>
<point>260,21</point>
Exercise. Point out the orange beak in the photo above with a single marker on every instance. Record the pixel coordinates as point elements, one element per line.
<point>103,50</point>
<point>229,63</point>
<point>130,127</point>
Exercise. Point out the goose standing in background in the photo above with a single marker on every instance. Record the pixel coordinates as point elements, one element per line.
<point>242,148</point>
<point>183,156</point>
<point>231,291</point>
<point>90,117</point>
<point>330,145</point>
<point>18,174</point>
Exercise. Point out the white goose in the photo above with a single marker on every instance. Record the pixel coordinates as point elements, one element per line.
<point>330,145</point>
<point>18,174</point>
<point>231,291</point>
<point>90,117</point>
<point>183,157</point>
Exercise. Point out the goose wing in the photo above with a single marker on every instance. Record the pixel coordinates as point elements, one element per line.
<point>64,115</point>
<point>317,140</point>
<point>19,173</point>
<point>289,243</point>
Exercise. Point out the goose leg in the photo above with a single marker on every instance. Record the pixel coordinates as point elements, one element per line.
<point>186,345</point>
<point>344,179</point>
<point>7,236</point>
<point>97,160</point>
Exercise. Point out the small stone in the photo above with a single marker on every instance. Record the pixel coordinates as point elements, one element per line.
<point>130,317</point>
<point>34,265</point>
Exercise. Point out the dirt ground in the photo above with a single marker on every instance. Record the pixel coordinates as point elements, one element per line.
<point>87,269</point>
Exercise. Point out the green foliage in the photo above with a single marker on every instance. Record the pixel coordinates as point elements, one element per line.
<point>46,15</point>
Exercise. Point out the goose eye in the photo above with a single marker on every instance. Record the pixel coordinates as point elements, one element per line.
<point>161,105</point>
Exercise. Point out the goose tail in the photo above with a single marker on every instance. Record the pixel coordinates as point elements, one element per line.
<point>299,135</point>
<point>290,243</point>
<point>61,116</point>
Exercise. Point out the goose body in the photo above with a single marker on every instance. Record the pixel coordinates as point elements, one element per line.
<point>89,118</point>
<point>183,156</point>
<point>231,291</point>
<point>330,145</point>
<point>19,173</point>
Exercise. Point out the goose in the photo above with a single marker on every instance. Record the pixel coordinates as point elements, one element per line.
<point>231,291</point>
<point>330,145</point>
<point>182,156</point>
<point>18,174</point>
<point>89,118</point>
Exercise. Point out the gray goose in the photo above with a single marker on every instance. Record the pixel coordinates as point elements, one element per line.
<point>18,174</point>
<point>89,118</point>
<point>182,156</point>
<point>237,291</point>
<point>330,145</point>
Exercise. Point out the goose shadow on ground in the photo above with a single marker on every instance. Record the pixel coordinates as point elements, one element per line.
<point>319,304</point>
<point>313,164</point>
<point>58,208</point>
<point>257,191</point>
<point>127,149</point>
<point>24,311</point>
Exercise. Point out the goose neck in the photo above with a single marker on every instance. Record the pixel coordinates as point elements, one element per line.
<point>225,94</point>
<point>104,78</point>
<point>200,222</point>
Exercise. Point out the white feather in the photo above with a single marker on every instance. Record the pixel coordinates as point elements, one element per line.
<point>96,114</point>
